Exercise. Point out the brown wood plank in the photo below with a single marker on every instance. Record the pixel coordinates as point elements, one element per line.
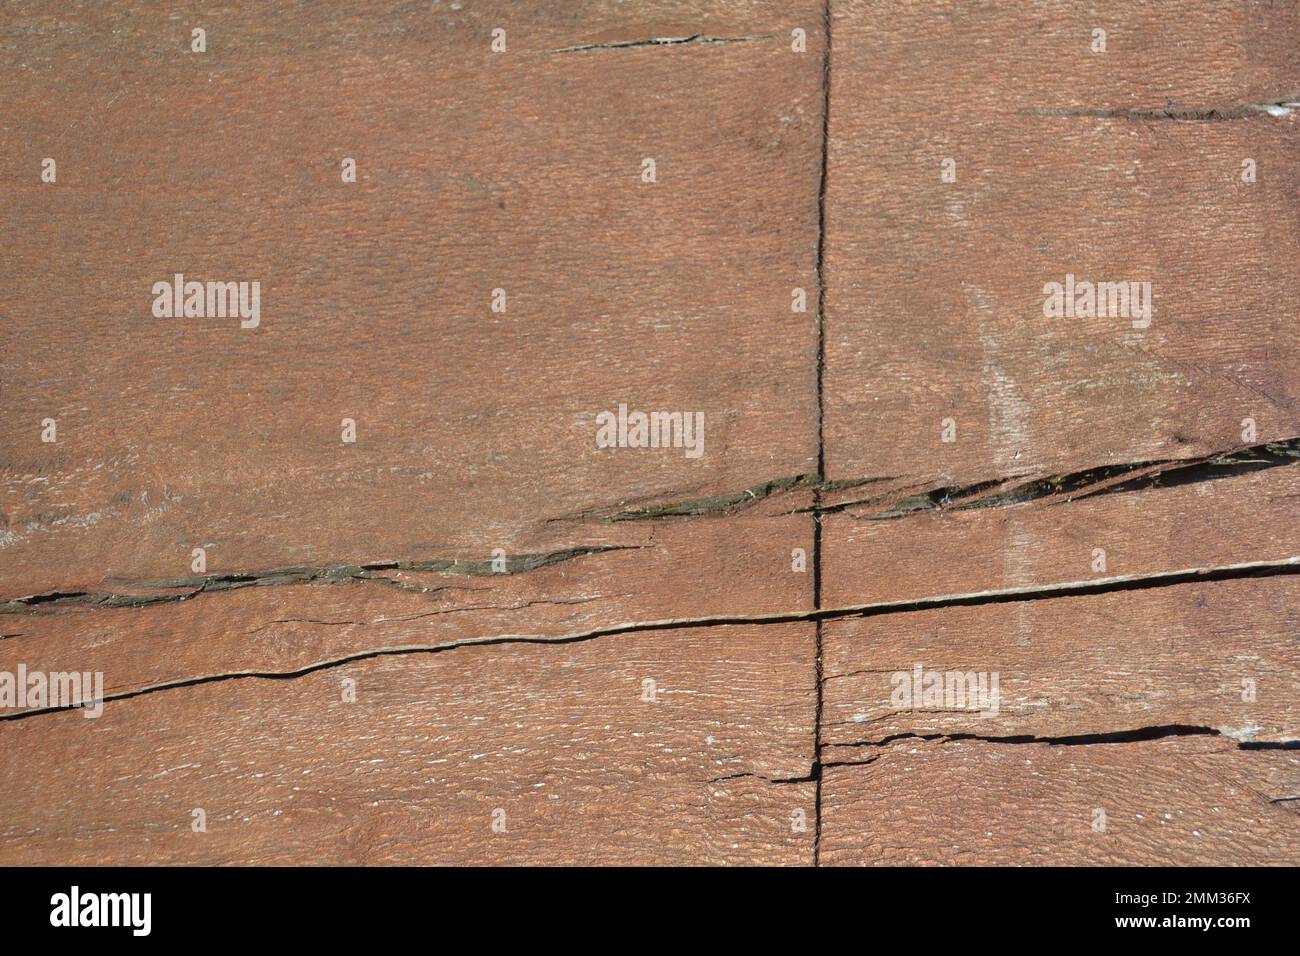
<point>935,299</point>
<point>1076,666</point>
<point>412,772</point>
<point>979,544</point>
<point>475,431</point>
<point>563,653</point>
<point>1185,802</point>
<point>1116,166</point>
<point>477,171</point>
<point>654,571</point>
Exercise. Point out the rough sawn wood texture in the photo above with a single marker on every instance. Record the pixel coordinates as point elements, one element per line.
<point>472,635</point>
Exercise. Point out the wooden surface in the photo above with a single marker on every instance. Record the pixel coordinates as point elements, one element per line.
<point>673,659</point>
<point>972,802</point>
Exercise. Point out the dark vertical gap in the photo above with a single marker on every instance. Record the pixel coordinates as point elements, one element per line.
<point>817,710</point>
<point>821,247</point>
<point>821,421</point>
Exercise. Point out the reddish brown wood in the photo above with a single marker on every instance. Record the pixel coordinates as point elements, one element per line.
<point>1218,657</point>
<point>640,684</point>
<point>1182,803</point>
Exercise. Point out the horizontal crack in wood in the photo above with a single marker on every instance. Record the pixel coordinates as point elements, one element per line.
<point>1286,566</point>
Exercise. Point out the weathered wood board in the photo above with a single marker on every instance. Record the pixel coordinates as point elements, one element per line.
<point>978,153</point>
<point>937,274</point>
<point>1187,802</point>
<point>653,572</point>
<point>435,619</point>
<point>1216,658</point>
<point>561,739</point>
<point>476,171</point>
<point>977,544</point>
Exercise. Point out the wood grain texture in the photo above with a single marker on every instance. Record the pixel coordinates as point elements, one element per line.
<point>1117,166</point>
<point>655,572</point>
<point>972,544</point>
<point>1079,666</point>
<point>559,737</point>
<point>1174,803</point>
<point>474,637</point>
<point>936,289</point>
<point>475,432</point>
<point>476,171</point>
